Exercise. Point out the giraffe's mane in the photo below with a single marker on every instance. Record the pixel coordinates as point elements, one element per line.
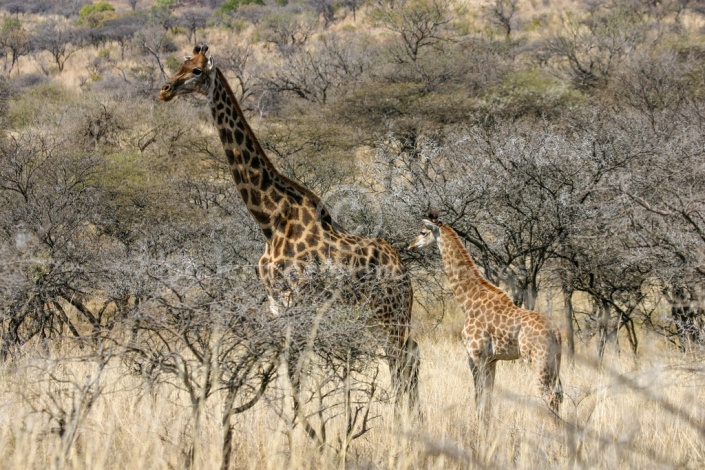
<point>315,199</point>
<point>468,261</point>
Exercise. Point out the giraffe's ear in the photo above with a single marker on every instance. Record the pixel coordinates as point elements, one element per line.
<point>210,65</point>
<point>428,224</point>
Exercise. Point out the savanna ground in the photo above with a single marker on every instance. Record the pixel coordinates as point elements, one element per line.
<point>633,412</point>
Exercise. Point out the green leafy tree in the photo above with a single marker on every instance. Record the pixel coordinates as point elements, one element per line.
<point>162,13</point>
<point>170,4</point>
<point>96,14</point>
<point>231,6</point>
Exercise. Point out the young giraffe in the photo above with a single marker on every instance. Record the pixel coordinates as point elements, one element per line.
<point>495,329</point>
<point>300,234</point>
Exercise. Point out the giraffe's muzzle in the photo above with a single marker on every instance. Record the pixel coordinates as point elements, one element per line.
<point>167,93</point>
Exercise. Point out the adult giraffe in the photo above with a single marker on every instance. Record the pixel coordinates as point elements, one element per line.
<point>495,329</point>
<point>299,231</point>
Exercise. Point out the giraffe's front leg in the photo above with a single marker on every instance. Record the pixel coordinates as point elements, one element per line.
<point>479,348</point>
<point>276,284</point>
<point>483,377</point>
<point>276,308</point>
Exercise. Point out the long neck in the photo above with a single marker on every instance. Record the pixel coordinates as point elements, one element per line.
<point>268,194</point>
<point>463,274</point>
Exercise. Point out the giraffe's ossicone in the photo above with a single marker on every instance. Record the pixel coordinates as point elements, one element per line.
<point>302,242</point>
<point>495,329</point>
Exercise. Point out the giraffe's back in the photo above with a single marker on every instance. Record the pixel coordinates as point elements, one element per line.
<point>510,334</point>
<point>362,271</point>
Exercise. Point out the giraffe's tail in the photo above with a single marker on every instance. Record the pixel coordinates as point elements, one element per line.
<point>558,386</point>
<point>553,396</point>
<point>558,391</point>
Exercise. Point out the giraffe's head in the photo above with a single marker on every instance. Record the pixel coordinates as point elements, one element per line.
<point>194,76</point>
<point>430,232</point>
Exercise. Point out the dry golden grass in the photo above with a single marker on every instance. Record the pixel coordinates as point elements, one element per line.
<point>644,412</point>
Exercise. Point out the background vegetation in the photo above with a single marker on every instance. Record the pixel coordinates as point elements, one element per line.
<point>563,140</point>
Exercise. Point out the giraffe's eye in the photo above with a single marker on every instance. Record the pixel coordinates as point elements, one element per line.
<point>196,72</point>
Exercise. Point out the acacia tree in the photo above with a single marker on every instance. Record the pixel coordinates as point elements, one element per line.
<point>162,13</point>
<point>194,19</point>
<point>611,268</point>
<point>417,24</point>
<point>324,9</point>
<point>592,48</point>
<point>316,72</point>
<point>287,31</point>
<point>501,12</point>
<point>48,198</point>
<point>240,61</point>
<point>202,326</point>
<point>202,332</point>
<point>156,43</point>
<point>66,408</point>
<point>507,190</point>
<point>668,206</point>
<point>659,85</point>
<point>60,40</point>
<point>15,41</point>
<point>27,6</point>
<point>122,30</point>
<point>69,241</point>
<point>353,5</point>
<point>543,205</point>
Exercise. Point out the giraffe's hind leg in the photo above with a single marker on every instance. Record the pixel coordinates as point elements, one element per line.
<point>550,385</point>
<point>554,370</point>
<point>404,368</point>
<point>410,373</point>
